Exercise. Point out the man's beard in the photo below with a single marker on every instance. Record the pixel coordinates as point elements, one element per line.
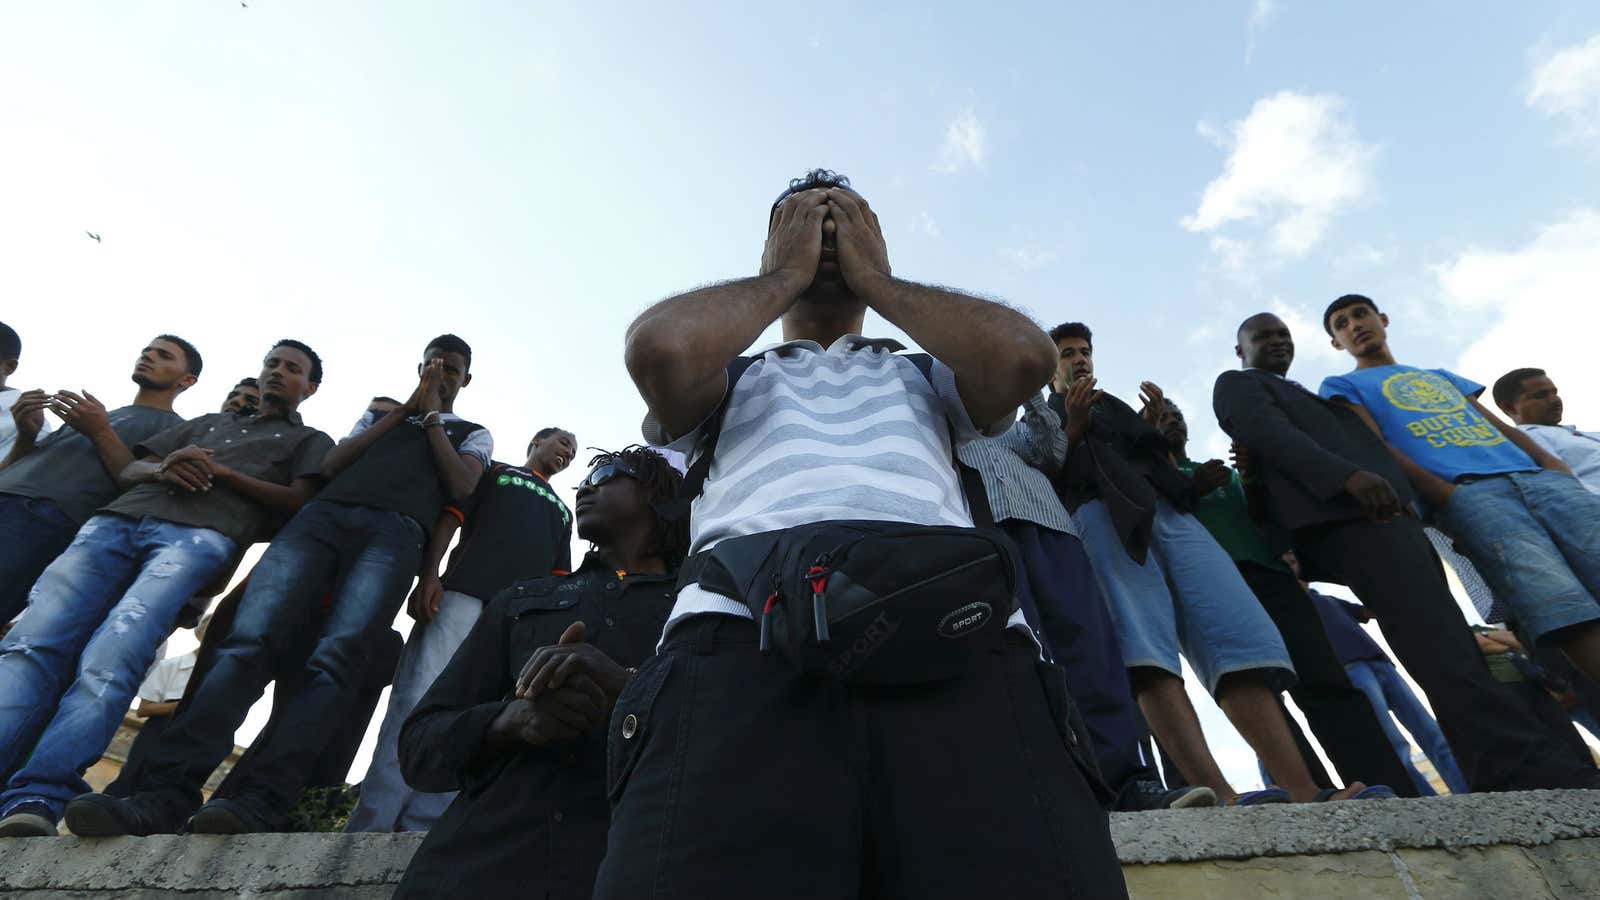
<point>144,381</point>
<point>829,289</point>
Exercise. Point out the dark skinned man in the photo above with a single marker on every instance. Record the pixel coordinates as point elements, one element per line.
<point>514,725</point>
<point>1330,482</point>
<point>780,782</point>
<point>361,540</point>
<point>200,493</point>
<point>1338,712</point>
<point>513,526</point>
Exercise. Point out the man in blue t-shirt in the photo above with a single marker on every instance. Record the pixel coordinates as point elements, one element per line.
<point>1513,507</point>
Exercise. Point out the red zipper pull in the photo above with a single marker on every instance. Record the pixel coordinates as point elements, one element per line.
<point>818,576</point>
<point>766,622</point>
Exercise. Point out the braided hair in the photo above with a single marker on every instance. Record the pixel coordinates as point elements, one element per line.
<point>670,534</point>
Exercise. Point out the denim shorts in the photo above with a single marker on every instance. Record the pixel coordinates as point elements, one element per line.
<point>1187,595</point>
<point>1535,538</point>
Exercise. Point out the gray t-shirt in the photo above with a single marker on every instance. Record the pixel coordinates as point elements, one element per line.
<point>65,469</point>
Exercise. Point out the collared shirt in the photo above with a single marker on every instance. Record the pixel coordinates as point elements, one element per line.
<point>168,678</point>
<point>65,468</point>
<point>813,434</point>
<point>270,448</point>
<point>1578,449</point>
<point>1016,468</point>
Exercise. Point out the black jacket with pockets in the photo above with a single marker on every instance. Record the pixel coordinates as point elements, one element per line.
<point>530,823</point>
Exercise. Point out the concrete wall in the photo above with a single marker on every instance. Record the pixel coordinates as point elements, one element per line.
<point>1524,846</point>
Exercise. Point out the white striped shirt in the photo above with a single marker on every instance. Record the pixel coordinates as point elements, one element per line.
<point>814,435</point>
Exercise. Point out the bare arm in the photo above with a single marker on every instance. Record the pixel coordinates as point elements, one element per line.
<point>282,498</point>
<point>423,604</point>
<point>460,471</point>
<point>350,450</point>
<point>678,350</point>
<point>1433,489</point>
<point>1540,453</point>
<point>999,355</point>
<point>150,709</point>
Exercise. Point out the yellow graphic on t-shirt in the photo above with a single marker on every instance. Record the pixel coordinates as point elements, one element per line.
<point>1454,423</point>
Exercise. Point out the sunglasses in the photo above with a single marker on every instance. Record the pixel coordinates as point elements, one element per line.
<point>606,471</point>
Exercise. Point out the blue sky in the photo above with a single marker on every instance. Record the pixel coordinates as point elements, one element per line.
<point>363,176</point>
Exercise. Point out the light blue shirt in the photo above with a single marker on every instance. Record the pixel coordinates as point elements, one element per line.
<point>1578,449</point>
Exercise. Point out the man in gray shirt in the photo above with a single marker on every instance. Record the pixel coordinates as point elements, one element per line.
<point>49,486</point>
<point>202,492</point>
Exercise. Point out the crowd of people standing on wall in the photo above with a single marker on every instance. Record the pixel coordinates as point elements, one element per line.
<point>885,596</point>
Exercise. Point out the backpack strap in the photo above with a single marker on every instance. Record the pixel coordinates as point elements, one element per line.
<point>971,479</point>
<point>694,480</point>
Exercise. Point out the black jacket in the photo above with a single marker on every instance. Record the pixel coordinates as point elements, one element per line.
<point>1125,463</point>
<point>532,823</point>
<point>1304,447</point>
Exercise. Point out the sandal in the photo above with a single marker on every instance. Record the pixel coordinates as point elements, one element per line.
<point>1261,797</point>
<point>1370,792</point>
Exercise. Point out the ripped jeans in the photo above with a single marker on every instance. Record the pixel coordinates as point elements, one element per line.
<point>71,666</point>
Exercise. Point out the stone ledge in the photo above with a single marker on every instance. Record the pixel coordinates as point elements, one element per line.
<point>1442,846</point>
<point>1525,819</point>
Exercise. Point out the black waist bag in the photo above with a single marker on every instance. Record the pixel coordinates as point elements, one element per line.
<point>869,602</point>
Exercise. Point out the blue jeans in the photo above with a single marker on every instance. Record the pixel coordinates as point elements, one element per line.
<point>70,667</point>
<point>366,558</point>
<point>1388,692</point>
<point>33,532</point>
<point>1535,538</point>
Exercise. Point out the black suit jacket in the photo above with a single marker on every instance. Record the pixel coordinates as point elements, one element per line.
<point>1304,447</point>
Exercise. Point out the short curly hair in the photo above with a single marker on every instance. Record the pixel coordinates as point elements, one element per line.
<point>816,178</point>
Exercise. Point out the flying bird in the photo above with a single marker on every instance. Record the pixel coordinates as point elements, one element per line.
<point>93,235</point>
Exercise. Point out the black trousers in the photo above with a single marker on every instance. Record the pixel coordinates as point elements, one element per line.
<point>731,775</point>
<point>1499,744</point>
<point>1339,714</point>
<point>1059,598</point>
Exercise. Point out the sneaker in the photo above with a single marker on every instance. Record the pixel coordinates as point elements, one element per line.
<point>224,816</point>
<point>29,819</point>
<point>98,815</point>
<point>1147,794</point>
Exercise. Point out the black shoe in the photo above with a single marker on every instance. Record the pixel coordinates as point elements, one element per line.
<point>224,816</point>
<point>1145,795</point>
<point>98,815</point>
<point>29,819</point>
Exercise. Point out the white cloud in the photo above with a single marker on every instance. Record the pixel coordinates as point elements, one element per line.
<point>1566,85</point>
<point>1538,308</point>
<point>965,144</point>
<point>1261,13</point>
<point>1294,163</point>
<point>1028,258</point>
<point>927,224</point>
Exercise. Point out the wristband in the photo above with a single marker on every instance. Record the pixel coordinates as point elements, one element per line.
<point>433,418</point>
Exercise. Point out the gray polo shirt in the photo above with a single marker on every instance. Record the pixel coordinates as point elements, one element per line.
<point>65,469</point>
<point>270,448</point>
